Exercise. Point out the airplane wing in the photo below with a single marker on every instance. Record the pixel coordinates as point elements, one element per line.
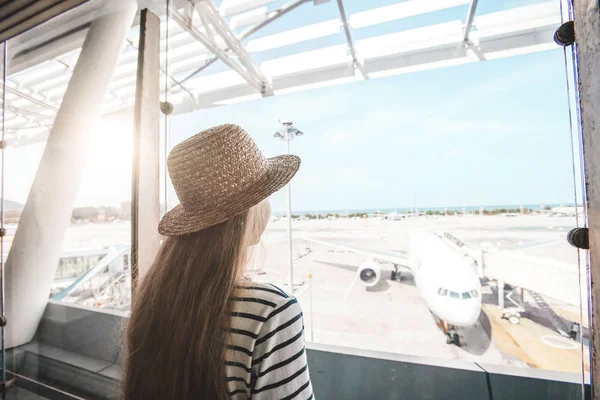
<point>401,261</point>
<point>557,280</point>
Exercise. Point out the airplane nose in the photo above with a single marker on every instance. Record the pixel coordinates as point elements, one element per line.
<point>465,315</point>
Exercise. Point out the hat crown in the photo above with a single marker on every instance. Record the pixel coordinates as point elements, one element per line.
<point>214,165</point>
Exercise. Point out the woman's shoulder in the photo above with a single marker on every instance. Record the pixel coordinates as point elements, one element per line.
<point>258,303</point>
<point>263,293</point>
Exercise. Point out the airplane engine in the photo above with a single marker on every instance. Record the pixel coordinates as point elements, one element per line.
<point>369,273</point>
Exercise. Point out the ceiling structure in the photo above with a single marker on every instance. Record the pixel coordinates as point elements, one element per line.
<point>201,35</point>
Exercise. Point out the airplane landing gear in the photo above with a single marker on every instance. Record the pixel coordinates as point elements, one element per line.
<point>396,274</point>
<point>453,338</point>
<point>456,339</point>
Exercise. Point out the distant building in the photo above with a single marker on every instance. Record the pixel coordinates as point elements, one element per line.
<point>101,214</point>
<point>126,209</point>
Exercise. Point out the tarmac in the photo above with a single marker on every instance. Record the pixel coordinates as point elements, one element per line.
<point>392,317</point>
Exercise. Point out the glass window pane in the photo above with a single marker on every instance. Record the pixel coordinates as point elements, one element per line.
<point>419,147</point>
<point>67,190</point>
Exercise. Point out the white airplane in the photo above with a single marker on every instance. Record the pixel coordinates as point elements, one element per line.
<point>565,211</point>
<point>446,278</point>
<point>447,274</point>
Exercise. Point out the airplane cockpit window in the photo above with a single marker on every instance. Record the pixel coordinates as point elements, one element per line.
<point>471,294</point>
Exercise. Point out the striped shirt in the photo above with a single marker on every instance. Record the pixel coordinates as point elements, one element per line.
<point>267,358</point>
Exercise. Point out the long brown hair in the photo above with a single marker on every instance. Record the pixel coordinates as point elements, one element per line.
<point>180,316</point>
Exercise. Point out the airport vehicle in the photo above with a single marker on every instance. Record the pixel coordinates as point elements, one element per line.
<point>395,215</point>
<point>565,211</point>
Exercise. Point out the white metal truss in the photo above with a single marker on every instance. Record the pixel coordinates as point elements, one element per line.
<point>200,34</point>
<point>265,20</point>
<point>213,22</point>
<point>470,17</point>
<point>469,45</point>
<point>355,61</point>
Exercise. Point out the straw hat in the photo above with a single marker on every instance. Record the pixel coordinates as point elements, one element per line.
<point>219,173</point>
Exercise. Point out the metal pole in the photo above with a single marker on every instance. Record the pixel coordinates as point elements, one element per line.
<point>2,231</point>
<point>166,117</point>
<point>312,314</point>
<point>289,211</point>
<point>145,186</point>
<point>500,294</point>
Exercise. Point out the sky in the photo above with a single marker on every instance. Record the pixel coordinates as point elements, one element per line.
<point>487,133</point>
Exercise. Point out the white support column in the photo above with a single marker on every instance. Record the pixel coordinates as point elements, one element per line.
<point>37,243</point>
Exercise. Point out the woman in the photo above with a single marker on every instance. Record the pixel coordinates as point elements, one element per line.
<point>197,329</point>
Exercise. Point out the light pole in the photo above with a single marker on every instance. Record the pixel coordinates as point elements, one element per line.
<point>287,132</point>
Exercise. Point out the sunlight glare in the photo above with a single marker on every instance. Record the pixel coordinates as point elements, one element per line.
<point>107,175</point>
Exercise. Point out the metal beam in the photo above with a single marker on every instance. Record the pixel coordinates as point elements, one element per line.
<point>53,48</point>
<point>379,66</point>
<point>357,64</point>
<point>177,83</point>
<point>32,99</point>
<point>16,17</point>
<point>467,42</point>
<point>286,8</point>
<point>27,113</point>
<point>145,197</point>
<point>272,17</point>
<point>221,54</point>
<point>208,12</point>
<point>470,17</point>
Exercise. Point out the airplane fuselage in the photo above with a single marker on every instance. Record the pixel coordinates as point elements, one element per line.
<point>447,280</point>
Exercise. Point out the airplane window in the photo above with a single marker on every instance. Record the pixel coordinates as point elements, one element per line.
<point>474,293</point>
<point>442,292</point>
<point>454,295</point>
<point>466,295</point>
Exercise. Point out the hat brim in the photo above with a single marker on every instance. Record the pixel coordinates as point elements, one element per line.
<point>278,172</point>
